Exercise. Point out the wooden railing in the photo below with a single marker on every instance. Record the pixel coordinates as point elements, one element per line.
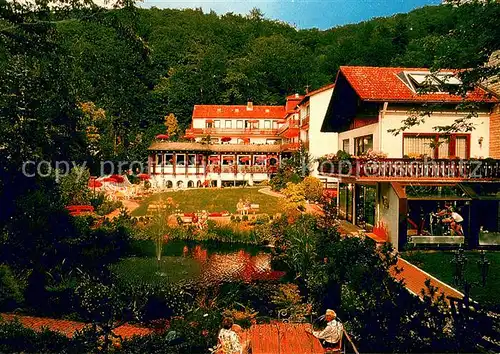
<point>410,168</point>
<point>233,131</point>
<point>290,146</point>
<point>241,169</point>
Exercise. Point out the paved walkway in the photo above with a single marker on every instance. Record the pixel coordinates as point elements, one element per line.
<point>68,328</point>
<point>127,204</point>
<point>415,279</point>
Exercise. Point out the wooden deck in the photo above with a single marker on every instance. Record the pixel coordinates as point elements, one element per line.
<point>283,338</point>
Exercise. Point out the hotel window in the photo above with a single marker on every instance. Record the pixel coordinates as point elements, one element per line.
<point>191,160</point>
<point>169,159</point>
<point>362,144</point>
<point>228,124</point>
<point>345,145</point>
<point>159,159</point>
<point>267,124</point>
<point>180,160</point>
<point>239,124</point>
<point>436,146</point>
<point>216,123</point>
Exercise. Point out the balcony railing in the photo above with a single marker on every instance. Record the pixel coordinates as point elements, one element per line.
<point>233,131</point>
<point>287,125</point>
<point>410,169</point>
<point>241,169</point>
<point>290,147</point>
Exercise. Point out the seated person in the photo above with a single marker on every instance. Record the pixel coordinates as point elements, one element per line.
<point>332,334</point>
<point>229,342</point>
<point>455,220</point>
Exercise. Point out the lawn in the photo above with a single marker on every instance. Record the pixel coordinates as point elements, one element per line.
<point>212,200</point>
<point>439,264</point>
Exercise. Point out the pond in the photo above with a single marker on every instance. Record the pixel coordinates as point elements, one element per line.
<point>200,263</point>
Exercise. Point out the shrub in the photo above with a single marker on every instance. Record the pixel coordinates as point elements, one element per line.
<point>244,218</point>
<point>14,338</point>
<point>313,188</point>
<point>10,291</point>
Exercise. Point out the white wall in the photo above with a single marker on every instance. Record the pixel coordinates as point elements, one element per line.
<point>372,129</point>
<point>393,145</point>
<point>320,143</point>
<point>389,216</point>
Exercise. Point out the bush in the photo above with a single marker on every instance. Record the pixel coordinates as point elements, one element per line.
<point>244,218</point>
<point>313,188</point>
<point>14,338</point>
<point>11,294</point>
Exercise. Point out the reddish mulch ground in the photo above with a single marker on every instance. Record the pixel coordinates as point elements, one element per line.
<point>68,328</point>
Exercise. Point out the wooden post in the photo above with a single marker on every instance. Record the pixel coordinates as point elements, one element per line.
<point>174,163</point>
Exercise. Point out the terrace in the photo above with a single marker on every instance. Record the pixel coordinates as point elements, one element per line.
<point>405,169</point>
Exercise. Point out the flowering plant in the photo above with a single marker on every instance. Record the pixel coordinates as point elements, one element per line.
<point>372,155</point>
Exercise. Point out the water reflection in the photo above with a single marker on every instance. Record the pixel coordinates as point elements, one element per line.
<point>223,264</point>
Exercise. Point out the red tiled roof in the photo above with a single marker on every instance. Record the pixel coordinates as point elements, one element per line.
<point>238,111</point>
<point>383,84</point>
<point>68,328</point>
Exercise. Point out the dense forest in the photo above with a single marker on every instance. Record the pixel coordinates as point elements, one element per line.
<point>142,64</point>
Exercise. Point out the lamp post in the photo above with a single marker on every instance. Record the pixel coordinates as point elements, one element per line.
<point>483,265</point>
<point>459,261</point>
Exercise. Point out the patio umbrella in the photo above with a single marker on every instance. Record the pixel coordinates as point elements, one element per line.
<point>225,139</point>
<point>162,137</point>
<point>214,158</point>
<point>109,179</point>
<point>245,159</point>
<point>245,140</point>
<point>118,178</point>
<point>228,158</point>
<point>95,184</point>
<point>143,176</point>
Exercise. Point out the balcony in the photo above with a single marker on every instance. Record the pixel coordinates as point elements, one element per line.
<point>241,169</point>
<point>290,147</point>
<point>305,121</point>
<point>233,132</point>
<point>409,169</point>
<point>287,125</point>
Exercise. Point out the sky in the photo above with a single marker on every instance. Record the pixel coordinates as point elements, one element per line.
<point>322,14</point>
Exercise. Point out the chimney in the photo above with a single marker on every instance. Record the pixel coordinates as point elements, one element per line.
<point>249,106</point>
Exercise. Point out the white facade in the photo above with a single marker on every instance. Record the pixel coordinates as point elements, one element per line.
<point>392,145</point>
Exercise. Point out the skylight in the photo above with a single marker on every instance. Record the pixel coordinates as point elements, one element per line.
<point>433,83</point>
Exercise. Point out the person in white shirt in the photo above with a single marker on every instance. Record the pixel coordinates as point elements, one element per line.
<point>332,334</point>
<point>455,220</point>
<point>229,342</point>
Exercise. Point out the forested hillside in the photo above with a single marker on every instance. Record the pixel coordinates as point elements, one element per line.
<point>142,64</point>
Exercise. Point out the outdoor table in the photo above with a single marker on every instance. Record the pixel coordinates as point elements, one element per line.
<point>283,338</point>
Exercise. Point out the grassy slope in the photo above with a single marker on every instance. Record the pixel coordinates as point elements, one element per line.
<point>213,200</point>
<point>439,264</point>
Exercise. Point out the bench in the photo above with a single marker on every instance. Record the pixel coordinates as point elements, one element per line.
<point>254,208</point>
<point>436,240</point>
